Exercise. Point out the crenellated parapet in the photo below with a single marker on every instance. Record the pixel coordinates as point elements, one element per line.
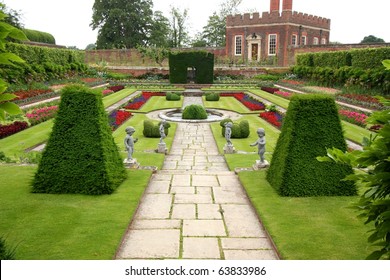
<point>278,18</point>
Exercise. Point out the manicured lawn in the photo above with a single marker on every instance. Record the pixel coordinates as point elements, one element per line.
<point>65,226</point>
<point>227,103</point>
<point>314,228</point>
<point>302,228</point>
<point>160,103</point>
<point>277,100</point>
<point>144,148</point>
<point>19,142</point>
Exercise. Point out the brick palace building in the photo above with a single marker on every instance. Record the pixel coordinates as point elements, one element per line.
<point>250,37</point>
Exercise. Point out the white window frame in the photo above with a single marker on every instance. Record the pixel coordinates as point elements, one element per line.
<point>303,40</point>
<point>272,49</point>
<point>294,40</point>
<point>238,45</point>
<point>316,41</point>
<point>323,41</point>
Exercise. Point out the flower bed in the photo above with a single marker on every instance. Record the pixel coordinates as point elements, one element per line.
<point>118,117</point>
<point>270,89</point>
<point>7,130</point>
<point>249,102</point>
<point>283,94</point>
<point>362,100</point>
<point>39,115</point>
<point>316,89</point>
<point>107,92</point>
<point>292,82</point>
<point>353,117</point>
<point>273,117</point>
<point>139,101</point>
<point>24,94</point>
<point>116,88</point>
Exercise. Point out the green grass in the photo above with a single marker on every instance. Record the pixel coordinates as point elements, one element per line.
<point>314,228</point>
<point>160,103</point>
<point>277,100</point>
<point>65,226</point>
<point>145,146</point>
<point>19,142</point>
<point>302,228</point>
<point>227,103</point>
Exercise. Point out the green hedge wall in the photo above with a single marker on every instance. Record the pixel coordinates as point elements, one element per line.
<point>202,61</point>
<point>311,125</point>
<point>39,36</point>
<point>81,155</point>
<point>152,129</point>
<point>239,130</point>
<point>367,58</point>
<point>42,63</point>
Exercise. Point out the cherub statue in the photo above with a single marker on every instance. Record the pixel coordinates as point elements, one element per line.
<point>129,142</point>
<point>260,143</point>
<point>162,131</point>
<point>228,132</point>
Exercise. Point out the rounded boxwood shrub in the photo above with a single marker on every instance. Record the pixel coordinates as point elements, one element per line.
<point>214,96</point>
<point>194,112</point>
<point>81,155</point>
<point>311,125</point>
<point>170,96</point>
<point>239,130</point>
<point>152,129</point>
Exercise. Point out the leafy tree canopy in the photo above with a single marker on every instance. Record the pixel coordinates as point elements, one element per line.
<point>126,24</point>
<point>372,39</point>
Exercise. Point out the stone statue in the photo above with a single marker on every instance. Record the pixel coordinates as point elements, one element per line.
<point>162,131</point>
<point>129,143</point>
<point>228,133</point>
<point>260,144</point>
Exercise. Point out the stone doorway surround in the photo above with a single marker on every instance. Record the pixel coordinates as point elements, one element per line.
<point>254,47</point>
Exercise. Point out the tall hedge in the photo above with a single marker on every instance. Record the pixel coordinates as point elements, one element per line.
<point>311,125</point>
<point>39,36</point>
<point>81,155</point>
<point>202,61</point>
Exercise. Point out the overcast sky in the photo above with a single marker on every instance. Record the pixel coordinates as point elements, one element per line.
<point>68,20</point>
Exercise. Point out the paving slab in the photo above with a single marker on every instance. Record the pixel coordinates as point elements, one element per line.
<point>155,206</point>
<point>209,211</point>
<point>183,211</point>
<point>200,248</point>
<point>203,228</point>
<point>156,224</point>
<point>151,244</point>
<point>250,255</point>
<point>193,198</point>
<point>246,243</point>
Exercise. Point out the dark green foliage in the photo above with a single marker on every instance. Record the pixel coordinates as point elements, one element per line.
<point>39,36</point>
<point>81,155</point>
<point>203,62</point>
<point>42,63</point>
<point>367,58</point>
<point>152,129</point>
<point>239,130</point>
<point>172,96</point>
<point>5,252</point>
<point>311,125</point>
<point>194,112</point>
<point>213,96</point>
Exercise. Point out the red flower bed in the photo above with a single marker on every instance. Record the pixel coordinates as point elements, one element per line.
<point>273,118</point>
<point>7,130</point>
<point>30,93</point>
<point>37,116</point>
<point>270,89</point>
<point>249,102</point>
<point>284,94</point>
<point>118,117</point>
<point>116,88</point>
<point>140,100</point>
<point>107,92</point>
<point>353,117</point>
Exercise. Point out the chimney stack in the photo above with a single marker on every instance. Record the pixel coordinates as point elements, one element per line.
<point>287,5</point>
<point>274,6</point>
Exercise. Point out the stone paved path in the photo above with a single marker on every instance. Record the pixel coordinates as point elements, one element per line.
<point>195,208</point>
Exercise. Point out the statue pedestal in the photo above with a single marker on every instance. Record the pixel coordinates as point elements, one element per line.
<point>260,165</point>
<point>132,163</point>
<point>229,149</point>
<point>162,148</point>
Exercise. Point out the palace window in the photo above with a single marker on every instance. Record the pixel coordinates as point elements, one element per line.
<point>272,44</point>
<point>323,41</point>
<point>294,40</point>
<point>315,41</point>
<point>303,40</point>
<point>238,45</point>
